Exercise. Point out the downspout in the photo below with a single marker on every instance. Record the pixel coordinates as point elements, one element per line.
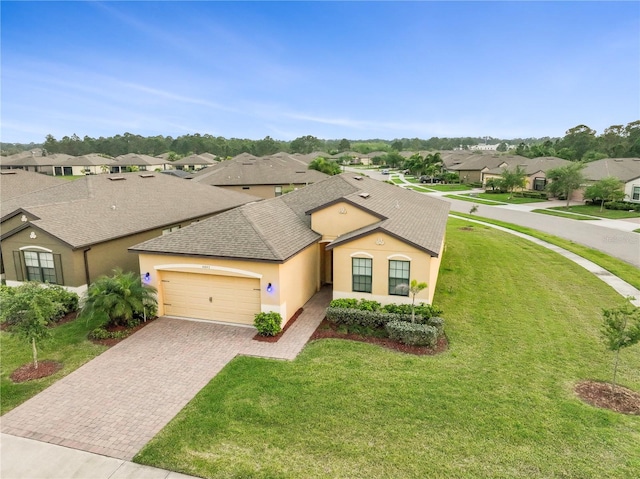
<point>86,266</point>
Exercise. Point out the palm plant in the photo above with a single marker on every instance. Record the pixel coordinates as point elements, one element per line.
<point>118,300</point>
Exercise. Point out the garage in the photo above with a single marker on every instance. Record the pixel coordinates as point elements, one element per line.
<point>230,299</point>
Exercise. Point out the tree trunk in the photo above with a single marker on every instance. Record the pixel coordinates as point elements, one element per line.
<point>568,199</point>
<point>615,372</point>
<point>35,353</point>
<point>601,205</point>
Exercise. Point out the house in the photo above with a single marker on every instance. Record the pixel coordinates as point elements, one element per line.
<point>535,170</point>
<point>195,162</point>
<point>91,164</point>
<point>34,161</point>
<point>626,170</point>
<point>72,232</point>
<point>471,167</point>
<point>124,163</point>
<point>266,177</point>
<point>365,237</point>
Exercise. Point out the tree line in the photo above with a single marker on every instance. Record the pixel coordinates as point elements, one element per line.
<point>580,143</point>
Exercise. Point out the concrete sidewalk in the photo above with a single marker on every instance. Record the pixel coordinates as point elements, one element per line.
<point>22,458</point>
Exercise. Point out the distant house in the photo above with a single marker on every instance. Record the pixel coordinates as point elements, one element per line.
<point>535,170</point>
<point>34,161</point>
<point>124,163</point>
<point>71,232</point>
<point>471,168</point>
<point>195,162</point>
<point>91,164</point>
<point>626,170</point>
<point>266,177</point>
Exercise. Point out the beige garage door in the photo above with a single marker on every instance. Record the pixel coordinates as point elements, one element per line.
<point>211,297</point>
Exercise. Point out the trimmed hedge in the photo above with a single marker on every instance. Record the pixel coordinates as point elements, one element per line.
<point>422,309</point>
<point>622,205</point>
<point>362,304</point>
<point>357,317</point>
<point>412,334</point>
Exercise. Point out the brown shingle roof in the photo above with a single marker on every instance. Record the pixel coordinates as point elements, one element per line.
<point>98,208</point>
<point>245,169</point>
<point>14,183</point>
<point>276,229</point>
<point>530,165</point>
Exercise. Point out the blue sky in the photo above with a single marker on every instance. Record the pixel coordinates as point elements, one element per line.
<point>356,70</point>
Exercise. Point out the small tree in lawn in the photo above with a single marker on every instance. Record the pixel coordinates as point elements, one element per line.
<point>606,189</point>
<point>620,329</point>
<point>473,210</point>
<point>512,179</point>
<point>415,288</point>
<point>564,180</point>
<point>29,312</point>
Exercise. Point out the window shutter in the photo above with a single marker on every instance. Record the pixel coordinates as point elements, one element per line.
<point>57,263</point>
<point>18,262</point>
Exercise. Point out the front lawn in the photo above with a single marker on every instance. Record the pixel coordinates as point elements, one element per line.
<point>594,210</point>
<point>504,197</point>
<point>561,214</point>
<point>68,345</point>
<point>522,324</point>
<point>474,199</point>
<point>448,187</point>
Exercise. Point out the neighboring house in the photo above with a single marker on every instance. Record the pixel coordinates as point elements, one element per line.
<point>470,170</point>
<point>124,163</point>
<point>266,177</point>
<point>34,161</point>
<point>72,232</point>
<point>91,164</point>
<point>367,238</point>
<point>195,162</point>
<point>626,170</point>
<point>534,168</point>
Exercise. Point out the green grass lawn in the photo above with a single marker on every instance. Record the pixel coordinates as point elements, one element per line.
<point>420,189</point>
<point>68,345</point>
<point>626,271</point>
<point>561,214</point>
<point>595,211</point>
<point>504,197</point>
<point>473,199</point>
<point>397,180</point>
<point>452,187</point>
<point>523,326</point>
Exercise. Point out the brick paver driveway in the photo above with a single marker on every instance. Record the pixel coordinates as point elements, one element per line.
<point>116,403</point>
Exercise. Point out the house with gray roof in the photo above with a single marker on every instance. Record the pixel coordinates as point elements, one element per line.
<point>195,162</point>
<point>266,176</point>
<point>138,162</point>
<point>535,170</point>
<point>72,232</point>
<point>365,238</point>
<point>627,170</point>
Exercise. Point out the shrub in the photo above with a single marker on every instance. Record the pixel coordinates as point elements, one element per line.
<point>362,304</point>
<point>101,333</point>
<point>437,323</point>
<point>67,299</point>
<point>412,334</point>
<point>352,317</point>
<point>268,324</point>
<point>622,205</point>
<point>423,309</point>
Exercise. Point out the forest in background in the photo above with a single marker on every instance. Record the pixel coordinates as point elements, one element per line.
<point>580,143</point>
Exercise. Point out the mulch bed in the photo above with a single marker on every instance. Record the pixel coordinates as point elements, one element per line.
<point>326,329</point>
<point>274,339</point>
<point>67,318</point>
<point>599,394</point>
<point>28,372</point>
<point>113,341</point>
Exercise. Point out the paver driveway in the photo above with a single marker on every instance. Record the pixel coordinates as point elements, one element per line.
<point>116,403</point>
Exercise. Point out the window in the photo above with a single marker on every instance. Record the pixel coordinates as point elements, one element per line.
<point>539,184</point>
<point>40,267</point>
<point>635,194</point>
<point>170,229</point>
<point>361,273</point>
<point>399,278</point>
<point>278,190</point>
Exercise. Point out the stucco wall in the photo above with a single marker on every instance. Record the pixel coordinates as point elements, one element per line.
<point>340,218</point>
<point>382,248</point>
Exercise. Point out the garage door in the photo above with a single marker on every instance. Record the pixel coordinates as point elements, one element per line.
<point>210,297</point>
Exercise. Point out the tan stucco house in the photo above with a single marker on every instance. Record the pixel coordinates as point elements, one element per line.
<point>535,170</point>
<point>71,232</point>
<point>627,170</point>
<point>366,238</point>
<point>266,177</point>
